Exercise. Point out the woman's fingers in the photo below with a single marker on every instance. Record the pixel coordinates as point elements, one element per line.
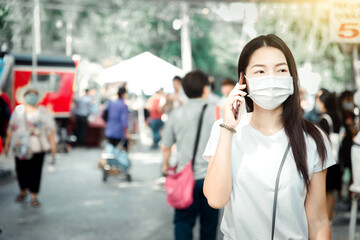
<point>240,86</point>
<point>235,96</point>
<point>238,93</point>
<point>238,98</point>
<point>238,90</point>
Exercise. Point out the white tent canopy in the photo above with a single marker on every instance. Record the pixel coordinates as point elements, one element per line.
<point>144,72</point>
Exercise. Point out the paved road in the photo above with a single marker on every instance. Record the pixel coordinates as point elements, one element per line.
<point>77,205</point>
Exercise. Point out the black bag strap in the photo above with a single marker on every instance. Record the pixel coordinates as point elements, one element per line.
<point>198,135</point>
<point>277,190</point>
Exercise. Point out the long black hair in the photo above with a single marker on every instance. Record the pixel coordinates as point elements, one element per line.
<point>294,124</point>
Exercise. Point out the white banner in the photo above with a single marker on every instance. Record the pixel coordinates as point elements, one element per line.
<point>344,21</point>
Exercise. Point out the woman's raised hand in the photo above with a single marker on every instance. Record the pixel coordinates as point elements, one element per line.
<point>231,113</point>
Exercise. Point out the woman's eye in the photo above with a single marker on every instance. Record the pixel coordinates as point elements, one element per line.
<point>260,71</point>
<point>283,70</point>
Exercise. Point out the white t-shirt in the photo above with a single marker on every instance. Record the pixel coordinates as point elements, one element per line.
<point>255,160</point>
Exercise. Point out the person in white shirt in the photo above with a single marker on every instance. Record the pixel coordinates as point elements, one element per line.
<point>246,153</point>
<point>178,98</point>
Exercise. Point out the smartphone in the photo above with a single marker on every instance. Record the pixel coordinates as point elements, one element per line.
<point>237,109</point>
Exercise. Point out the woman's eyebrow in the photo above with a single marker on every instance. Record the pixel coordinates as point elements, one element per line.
<point>280,64</point>
<point>258,65</point>
<point>262,65</point>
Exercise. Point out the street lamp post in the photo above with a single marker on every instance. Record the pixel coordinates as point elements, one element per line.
<point>69,37</point>
<point>186,56</point>
<point>36,39</point>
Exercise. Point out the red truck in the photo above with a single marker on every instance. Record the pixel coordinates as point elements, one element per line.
<point>56,74</point>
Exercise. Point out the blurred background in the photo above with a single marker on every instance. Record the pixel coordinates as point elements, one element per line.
<point>213,31</point>
<point>65,47</point>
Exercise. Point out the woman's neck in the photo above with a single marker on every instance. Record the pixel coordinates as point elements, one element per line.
<point>265,121</point>
<point>30,108</point>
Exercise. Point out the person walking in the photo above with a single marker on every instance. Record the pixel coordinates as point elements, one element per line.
<point>178,98</point>
<point>346,102</point>
<point>181,128</point>
<point>330,122</point>
<point>313,114</point>
<point>347,106</point>
<point>31,134</point>
<point>83,107</point>
<point>268,167</point>
<point>117,120</point>
<point>155,106</point>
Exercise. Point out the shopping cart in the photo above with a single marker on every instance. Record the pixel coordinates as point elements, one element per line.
<point>114,161</point>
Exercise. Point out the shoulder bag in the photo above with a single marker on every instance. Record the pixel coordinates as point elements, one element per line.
<point>179,186</point>
<point>39,142</point>
<point>21,138</point>
<point>277,190</point>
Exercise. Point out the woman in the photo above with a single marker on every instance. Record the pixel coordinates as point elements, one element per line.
<point>243,166</point>
<point>155,106</point>
<point>330,122</point>
<point>30,134</point>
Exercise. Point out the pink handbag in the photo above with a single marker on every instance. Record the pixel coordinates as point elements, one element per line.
<point>179,186</point>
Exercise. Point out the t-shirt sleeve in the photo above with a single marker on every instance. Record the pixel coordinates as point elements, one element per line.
<point>213,140</point>
<point>168,138</point>
<point>318,166</point>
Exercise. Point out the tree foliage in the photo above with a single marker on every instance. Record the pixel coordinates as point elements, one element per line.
<point>5,24</point>
<point>305,28</point>
<point>127,28</point>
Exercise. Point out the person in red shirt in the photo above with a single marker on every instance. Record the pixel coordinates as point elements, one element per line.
<point>155,106</point>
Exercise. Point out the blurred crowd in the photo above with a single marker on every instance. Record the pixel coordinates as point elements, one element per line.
<point>338,116</point>
<point>118,118</point>
<point>93,118</point>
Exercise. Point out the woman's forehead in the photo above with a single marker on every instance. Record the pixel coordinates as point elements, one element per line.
<point>267,56</point>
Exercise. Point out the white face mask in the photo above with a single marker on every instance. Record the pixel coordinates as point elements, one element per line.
<point>269,92</point>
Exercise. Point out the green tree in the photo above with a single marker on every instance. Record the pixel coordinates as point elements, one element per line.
<point>128,28</point>
<point>304,27</point>
<point>5,26</point>
<point>131,30</point>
